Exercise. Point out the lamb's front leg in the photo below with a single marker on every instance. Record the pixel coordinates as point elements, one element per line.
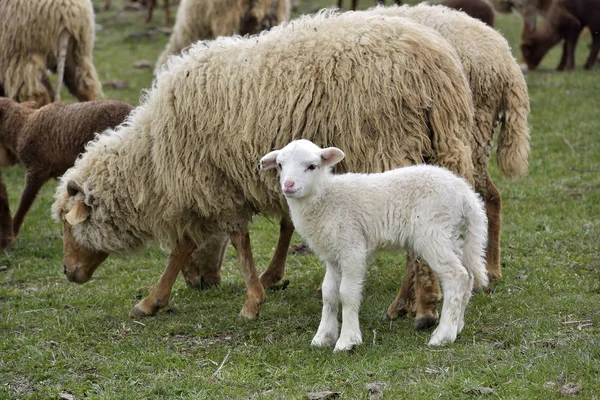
<point>327,334</point>
<point>353,273</point>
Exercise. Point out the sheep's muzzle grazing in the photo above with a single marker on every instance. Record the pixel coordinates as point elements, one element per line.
<point>79,263</point>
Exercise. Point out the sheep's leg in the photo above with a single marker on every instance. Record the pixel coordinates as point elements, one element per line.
<point>571,28</point>
<point>563,58</point>
<point>354,4</point>
<point>151,5</point>
<point>204,269</point>
<point>328,334</point>
<point>6,233</point>
<point>427,294</point>
<point>353,270</point>
<point>33,183</point>
<point>594,49</point>
<point>255,293</point>
<point>404,303</point>
<point>63,43</point>
<point>167,13</point>
<point>159,296</point>
<point>340,4</point>
<point>276,270</point>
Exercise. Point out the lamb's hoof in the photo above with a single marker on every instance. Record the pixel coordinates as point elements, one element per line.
<point>442,336</point>
<point>326,340</point>
<point>424,323</point>
<point>347,345</point>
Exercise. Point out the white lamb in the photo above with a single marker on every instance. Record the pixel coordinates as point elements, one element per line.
<point>347,217</point>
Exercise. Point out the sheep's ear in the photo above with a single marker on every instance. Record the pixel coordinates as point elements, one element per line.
<point>79,213</point>
<point>270,160</point>
<point>332,156</point>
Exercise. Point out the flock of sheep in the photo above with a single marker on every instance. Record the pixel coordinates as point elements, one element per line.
<point>372,90</point>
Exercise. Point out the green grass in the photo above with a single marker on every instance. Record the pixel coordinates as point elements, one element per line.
<point>56,336</point>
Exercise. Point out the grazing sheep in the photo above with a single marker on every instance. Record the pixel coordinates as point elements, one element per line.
<point>47,141</point>
<point>37,35</point>
<point>528,9</point>
<point>565,20</point>
<point>355,3</point>
<point>500,96</point>
<point>183,167</point>
<point>207,19</point>
<point>475,8</point>
<point>346,218</point>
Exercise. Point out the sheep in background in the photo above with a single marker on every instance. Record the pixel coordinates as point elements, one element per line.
<point>37,35</point>
<point>475,8</point>
<point>47,141</point>
<point>184,169</point>
<point>355,3</point>
<point>528,9</point>
<point>565,20</point>
<point>500,97</point>
<point>207,19</point>
<point>346,218</point>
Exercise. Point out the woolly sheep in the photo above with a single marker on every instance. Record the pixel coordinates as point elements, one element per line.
<point>206,19</point>
<point>500,96</point>
<point>346,218</point>
<point>37,35</point>
<point>183,168</point>
<point>528,9</point>
<point>48,140</point>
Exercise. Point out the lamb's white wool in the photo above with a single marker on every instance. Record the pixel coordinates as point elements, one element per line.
<point>345,218</point>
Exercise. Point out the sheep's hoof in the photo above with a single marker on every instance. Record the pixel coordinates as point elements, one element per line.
<point>137,312</point>
<point>246,315</point>
<point>206,282</point>
<point>423,323</point>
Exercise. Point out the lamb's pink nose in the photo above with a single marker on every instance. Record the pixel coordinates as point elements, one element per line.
<point>288,184</point>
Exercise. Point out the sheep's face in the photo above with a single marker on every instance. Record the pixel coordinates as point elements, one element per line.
<point>532,52</point>
<point>79,261</point>
<point>302,166</point>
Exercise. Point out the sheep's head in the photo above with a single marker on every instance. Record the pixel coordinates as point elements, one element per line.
<point>302,166</point>
<point>79,262</point>
<point>532,51</point>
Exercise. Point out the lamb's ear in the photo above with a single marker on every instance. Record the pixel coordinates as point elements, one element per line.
<point>270,160</point>
<point>331,156</point>
<point>79,213</point>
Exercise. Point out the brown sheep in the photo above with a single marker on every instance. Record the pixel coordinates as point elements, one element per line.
<point>475,8</point>
<point>355,3</point>
<point>565,20</point>
<point>47,141</point>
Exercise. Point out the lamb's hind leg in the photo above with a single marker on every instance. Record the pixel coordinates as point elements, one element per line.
<point>159,296</point>
<point>255,293</point>
<point>276,270</point>
<point>455,283</point>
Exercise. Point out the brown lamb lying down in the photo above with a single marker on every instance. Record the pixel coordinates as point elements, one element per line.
<point>565,20</point>
<point>475,8</point>
<point>47,141</point>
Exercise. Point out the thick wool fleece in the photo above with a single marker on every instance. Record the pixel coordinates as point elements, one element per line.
<point>389,90</point>
<point>208,19</point>
<point>29,35</point>
<point>497,83</point>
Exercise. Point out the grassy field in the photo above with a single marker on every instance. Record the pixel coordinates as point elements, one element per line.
<point>537,335</point>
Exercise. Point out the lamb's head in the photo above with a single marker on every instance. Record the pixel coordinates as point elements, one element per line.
<point>302,166</point>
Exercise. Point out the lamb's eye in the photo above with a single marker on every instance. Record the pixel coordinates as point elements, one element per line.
<point>311,167</point>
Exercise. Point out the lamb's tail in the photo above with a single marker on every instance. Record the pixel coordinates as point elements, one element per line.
<point>475,240</point>
<point>513,141</point>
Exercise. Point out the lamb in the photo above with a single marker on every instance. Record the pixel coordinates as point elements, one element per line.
<point>346,218</point>
<point>207,19</point>
<point>38,35</point>
<point>183,168</point>
<point>47,141</point>
<point>475,8</point>
<point>565,20</point>
<point>528,9</point>
<point>500,96</point>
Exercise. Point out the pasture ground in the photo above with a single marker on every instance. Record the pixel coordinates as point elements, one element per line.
<point>537,335</point>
